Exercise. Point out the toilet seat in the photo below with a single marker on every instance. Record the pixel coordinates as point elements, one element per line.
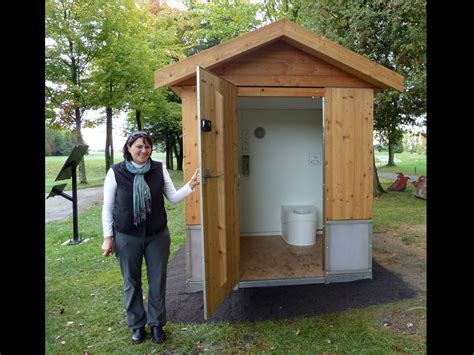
<point>301,211</point>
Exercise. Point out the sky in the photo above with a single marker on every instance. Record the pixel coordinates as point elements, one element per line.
<point>95,137</point>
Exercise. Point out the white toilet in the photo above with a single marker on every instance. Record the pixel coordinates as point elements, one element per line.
<point>298,224</point>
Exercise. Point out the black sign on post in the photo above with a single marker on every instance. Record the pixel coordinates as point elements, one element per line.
<point>68,171</point>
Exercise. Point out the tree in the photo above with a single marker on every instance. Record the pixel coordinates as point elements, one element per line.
<point>59,142</point>
<point>73,42</point>
<point>208,24</point>
<point>391,33</point>
<point>118,68</point>
<point>275,10</point>
<point>159,46</point>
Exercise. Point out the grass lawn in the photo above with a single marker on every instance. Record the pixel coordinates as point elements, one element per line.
<point>407,163</point>
<point>395,209</point>
<point>84,310</point>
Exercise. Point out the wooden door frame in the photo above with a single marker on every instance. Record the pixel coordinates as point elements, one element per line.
<point>313,92</point>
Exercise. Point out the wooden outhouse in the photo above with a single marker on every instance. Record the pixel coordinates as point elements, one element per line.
<point>277,120</point>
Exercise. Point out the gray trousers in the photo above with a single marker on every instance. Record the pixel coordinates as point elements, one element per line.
<point>130,251</point>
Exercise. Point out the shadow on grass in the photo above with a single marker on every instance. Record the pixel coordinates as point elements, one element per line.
<point>282,302</point>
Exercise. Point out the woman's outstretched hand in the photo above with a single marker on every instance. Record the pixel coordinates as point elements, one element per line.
<point>194,180</point>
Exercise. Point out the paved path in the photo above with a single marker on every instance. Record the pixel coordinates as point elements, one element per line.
<point>58,207</point>
<point>394,176</point>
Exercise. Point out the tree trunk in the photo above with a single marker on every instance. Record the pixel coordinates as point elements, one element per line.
<point>109,149</point>
<point>378,189</point>
<point>179,154</point>
<point>80,140</point>
<point>170,150</point>
<point>391,154</point>
<point>138,114</point>
<point>167,152</point>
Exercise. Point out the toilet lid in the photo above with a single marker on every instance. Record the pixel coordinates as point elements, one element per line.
<point>301,211</point>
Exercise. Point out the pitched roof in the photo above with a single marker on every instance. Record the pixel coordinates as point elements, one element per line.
<point>295,35</point>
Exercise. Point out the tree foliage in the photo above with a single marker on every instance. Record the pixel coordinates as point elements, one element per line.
<point>207,24</point>
<point>275,10</point>
<point>73,40</point>
<point>59,142</point>
<point>391,33</point>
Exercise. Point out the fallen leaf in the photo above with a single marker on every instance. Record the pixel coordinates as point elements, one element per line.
<point>61,310</point>
<point>297,332</point>
<point>409,325</point>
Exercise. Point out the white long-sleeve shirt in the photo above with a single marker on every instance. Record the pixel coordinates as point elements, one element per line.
<point>110,187</point>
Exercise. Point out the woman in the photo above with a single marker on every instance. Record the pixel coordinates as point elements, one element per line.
<point>135,226</point>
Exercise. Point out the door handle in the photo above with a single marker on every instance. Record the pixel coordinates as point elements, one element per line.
<point>207,175</point>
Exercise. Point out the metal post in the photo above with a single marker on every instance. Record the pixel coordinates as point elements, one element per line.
<point>75,239</point>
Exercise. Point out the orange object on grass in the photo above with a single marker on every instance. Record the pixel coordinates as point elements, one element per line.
<point>400,183</point>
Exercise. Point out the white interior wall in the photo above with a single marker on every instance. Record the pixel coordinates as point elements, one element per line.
<point>286,165</point>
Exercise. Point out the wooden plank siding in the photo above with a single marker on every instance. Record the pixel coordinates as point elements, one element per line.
<point>280,92</point>
<point>282,65</point>
<point>348,149</point>
<point>190,156</point>
<point>349,61</point>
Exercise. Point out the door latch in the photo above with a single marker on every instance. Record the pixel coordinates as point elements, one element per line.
<point>207,175</point>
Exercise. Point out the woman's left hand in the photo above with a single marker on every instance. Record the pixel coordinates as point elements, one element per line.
<point>194,180</point>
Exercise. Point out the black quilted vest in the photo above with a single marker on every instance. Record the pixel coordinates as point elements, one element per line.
<point>123,209</point>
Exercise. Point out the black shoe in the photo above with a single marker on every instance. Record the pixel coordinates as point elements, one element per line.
<point>138,335</point>
<point>157,334</point>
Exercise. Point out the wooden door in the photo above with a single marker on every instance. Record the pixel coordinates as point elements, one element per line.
<point>218,164</point>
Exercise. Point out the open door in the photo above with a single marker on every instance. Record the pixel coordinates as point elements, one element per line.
<point>218,164</point>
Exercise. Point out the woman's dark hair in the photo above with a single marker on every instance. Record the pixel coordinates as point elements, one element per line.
<point>132,138</point>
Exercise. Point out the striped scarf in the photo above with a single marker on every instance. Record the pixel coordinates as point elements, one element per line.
<point>141,192</point>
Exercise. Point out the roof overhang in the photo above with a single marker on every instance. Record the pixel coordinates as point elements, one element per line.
<point>293,34</point>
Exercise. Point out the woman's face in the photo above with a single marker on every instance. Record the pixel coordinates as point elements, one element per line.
<point>140,151</point>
